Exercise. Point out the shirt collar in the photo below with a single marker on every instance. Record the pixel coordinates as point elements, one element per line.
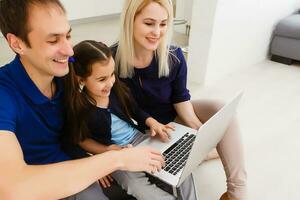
<point>28,87</point>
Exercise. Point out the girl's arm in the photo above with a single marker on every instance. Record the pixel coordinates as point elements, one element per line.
<point>186,113</point>
<point>95,147</point>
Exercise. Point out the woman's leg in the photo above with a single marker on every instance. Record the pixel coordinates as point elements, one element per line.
<point>230,149</point>
<point>138,185</point>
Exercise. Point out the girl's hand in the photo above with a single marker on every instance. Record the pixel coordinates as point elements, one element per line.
<point>106,181</point>
<point>163,131</point>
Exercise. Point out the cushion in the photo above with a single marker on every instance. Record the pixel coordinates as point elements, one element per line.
<point>289,27</point>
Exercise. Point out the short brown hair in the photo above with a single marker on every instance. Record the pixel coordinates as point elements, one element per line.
<point>14,16</point>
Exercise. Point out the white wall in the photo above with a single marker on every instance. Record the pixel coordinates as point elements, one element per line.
<point>236,34</point>
<point>183,11</point>
<point>78,9</point>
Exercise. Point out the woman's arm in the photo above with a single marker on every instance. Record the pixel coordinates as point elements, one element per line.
<point>186,113</point>
<point>95,147</point>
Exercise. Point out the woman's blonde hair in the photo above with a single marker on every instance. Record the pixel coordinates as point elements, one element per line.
<point>125,52</point>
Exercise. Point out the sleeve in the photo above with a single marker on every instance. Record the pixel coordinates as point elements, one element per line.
<point>180,93</point>
<point>8,112</point>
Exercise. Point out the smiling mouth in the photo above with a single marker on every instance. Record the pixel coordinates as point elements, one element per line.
<point>106,91</point>
<point>153,40</point>
<point>62,61</point>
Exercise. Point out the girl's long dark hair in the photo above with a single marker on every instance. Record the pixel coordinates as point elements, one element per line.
<point>78,104</point>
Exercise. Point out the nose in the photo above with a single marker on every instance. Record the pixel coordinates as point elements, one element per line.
<point>111,83</point>
<point>156,30</point>
<point>67,48</point>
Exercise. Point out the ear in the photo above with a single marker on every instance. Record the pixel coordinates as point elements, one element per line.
<point>15,43</point>
<point>81,83</point>
<point>79,79</point>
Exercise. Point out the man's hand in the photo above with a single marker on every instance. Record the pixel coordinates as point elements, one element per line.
<point>141,159</point>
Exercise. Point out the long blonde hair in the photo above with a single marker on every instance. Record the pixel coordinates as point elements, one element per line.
<point>125,52</point>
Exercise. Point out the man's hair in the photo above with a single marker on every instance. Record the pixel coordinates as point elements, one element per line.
<point>14,15</point>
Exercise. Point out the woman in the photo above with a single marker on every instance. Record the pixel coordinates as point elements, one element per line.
<point>156,73</point>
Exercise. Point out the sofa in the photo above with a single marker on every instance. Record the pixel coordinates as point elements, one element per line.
<point>285,44</point>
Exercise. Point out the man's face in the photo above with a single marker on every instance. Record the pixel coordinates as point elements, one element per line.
<point>49,38</point>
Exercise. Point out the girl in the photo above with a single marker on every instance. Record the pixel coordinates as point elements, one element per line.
<point>100,114</point>
<point>156,73</point>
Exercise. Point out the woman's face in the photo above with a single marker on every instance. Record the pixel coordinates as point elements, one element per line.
<point>150,26</point>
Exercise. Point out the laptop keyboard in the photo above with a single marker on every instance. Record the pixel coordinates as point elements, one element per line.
<point>176,155</point>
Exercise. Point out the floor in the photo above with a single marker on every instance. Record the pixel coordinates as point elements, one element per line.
<point>270,121</point>
<point>268,115</point>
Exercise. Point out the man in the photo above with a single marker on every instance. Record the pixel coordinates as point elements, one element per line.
<point>32,164</point>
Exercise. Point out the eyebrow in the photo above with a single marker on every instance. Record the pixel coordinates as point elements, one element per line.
<point>59,34</point>
<point>155,19</point>
<point>101,77</point>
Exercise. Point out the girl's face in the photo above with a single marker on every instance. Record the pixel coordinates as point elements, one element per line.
<point>102,79</point>
<point>150,25</point>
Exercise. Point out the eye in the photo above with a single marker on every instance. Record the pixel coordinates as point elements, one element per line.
<point>163,25</point>
<point>52,41</point>
<point>148,23</point>
<point>69,37</point>
<point>101,79</point>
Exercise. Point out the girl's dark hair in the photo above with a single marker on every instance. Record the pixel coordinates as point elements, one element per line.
<point>78,103</point>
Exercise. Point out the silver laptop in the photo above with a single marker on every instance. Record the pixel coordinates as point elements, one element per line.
<point>188,147</point>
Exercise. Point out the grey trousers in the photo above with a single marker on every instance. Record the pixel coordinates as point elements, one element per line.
<point>93,192</point>
<point>138,185</point>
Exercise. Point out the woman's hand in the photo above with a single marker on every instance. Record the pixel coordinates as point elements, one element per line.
<point>163,131</point>
<point>213,154</point>
<point>106,181</point>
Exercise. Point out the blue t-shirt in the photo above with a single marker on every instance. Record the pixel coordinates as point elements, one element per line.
<point>36,120</point>
<point>155,95</point>
<point>122,133</point>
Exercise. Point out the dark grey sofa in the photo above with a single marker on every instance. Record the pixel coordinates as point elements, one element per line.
<point>285,45</point>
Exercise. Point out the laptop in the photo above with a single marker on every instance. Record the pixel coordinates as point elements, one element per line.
<point>188,147</point>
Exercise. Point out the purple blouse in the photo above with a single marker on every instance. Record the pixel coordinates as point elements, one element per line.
<point>156,96</point>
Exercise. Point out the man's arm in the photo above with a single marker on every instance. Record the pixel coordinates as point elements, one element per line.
<point>55,181</point>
